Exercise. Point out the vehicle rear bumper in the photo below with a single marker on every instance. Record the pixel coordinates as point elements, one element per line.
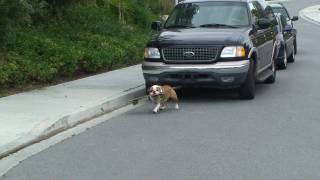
<point>219,75</point>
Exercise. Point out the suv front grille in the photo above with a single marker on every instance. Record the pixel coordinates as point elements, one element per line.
<point>183,54</point>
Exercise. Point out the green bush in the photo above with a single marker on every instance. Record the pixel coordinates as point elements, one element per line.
<point>44,40</point>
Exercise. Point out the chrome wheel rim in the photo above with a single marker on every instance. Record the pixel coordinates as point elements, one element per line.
<point>294,54</point>
<point>285,59</point>
<point>273,67</point>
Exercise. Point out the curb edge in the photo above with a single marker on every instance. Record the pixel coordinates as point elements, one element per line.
<point>72,120</point>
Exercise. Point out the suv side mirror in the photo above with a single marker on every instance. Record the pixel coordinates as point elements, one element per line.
<point>295,18</point>
<point>156,25</point>
<point>264,23</point>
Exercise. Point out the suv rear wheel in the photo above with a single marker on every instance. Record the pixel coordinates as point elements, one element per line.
<point>284,61</point>
<point>292,57</point>
<point>247,89</point>
<point>295,46</point>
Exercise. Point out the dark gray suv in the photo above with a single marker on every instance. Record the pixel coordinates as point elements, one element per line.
<point>214,43</point>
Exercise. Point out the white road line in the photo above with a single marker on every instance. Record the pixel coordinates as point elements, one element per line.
<point>311,14</point>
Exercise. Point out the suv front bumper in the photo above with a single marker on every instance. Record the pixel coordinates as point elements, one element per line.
<point>220,75</point>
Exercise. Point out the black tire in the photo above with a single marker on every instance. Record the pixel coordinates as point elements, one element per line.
<point>147,88</point>
<point>284,61</point>
<point>248,88</point>
<point>292,57</point>
<point>272,78</point>
<point>295,46</point>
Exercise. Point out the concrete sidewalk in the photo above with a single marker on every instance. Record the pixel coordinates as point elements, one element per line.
<point>311,14</point>
<point>32,116</point>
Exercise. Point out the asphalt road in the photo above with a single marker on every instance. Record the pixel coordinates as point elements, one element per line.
<point>213,136</point>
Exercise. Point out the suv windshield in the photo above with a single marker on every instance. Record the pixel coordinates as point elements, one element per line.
<point>209,14</point>
<point>281,11</point>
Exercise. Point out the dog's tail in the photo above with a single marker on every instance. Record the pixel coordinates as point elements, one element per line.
<point>177,87</point>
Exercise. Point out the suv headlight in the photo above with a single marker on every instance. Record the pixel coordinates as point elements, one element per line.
<point>151,53</point>
<point>233,51</point>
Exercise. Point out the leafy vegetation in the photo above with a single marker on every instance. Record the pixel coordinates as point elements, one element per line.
<point>44,40</point>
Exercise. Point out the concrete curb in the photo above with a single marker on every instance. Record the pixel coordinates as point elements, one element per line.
<point>47,129</point>
<point>311,14</point>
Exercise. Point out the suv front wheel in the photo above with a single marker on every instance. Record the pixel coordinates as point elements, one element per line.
<point>272,78</point>
<point>247,89</point>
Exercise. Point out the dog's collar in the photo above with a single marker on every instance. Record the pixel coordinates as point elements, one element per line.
<point>162,97</point>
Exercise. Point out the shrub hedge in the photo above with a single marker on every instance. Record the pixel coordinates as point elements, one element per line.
<point>52,39</point>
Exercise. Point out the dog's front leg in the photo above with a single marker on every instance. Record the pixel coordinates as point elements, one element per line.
<point>162,106</point>
<point>156,109</point>
<point>177,106</point>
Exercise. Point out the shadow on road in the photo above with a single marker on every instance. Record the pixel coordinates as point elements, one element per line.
<point>200,94</point>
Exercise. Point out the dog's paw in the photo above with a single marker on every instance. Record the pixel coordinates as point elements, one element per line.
<point>155,111</point>
<point>177,106</point>
<point>162,108</point>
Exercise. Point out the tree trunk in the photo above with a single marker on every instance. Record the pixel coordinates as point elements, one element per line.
<point>120,13</point>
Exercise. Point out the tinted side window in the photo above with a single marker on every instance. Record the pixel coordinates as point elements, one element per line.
<point>254,13</point>
<point>259,8</point>
<point>268,13</point>
<point>283,20</point>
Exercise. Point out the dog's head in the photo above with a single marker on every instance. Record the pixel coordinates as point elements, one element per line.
<point>155,90</point>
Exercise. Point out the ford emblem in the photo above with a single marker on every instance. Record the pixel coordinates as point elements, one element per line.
<point>189,54</point>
